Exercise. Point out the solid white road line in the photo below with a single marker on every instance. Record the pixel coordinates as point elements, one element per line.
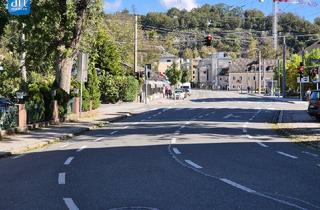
<point>236,185</point>
<point>193,164</point>
<point>309,153</point>
<point>62,178</point>
<point>18,156</point>
<point>176,151</point>
<point>98,139</point>
<point>125,127</point>
<point>188,123</point>
<point>173,140</point>
<point>114,132</point>
<point>262,144</point>
<point>81,148</point>
<point>68,161</point>
<point>70,204</point>
<point>136,123</point>
<point>249,137</point>
<point>287,155</point>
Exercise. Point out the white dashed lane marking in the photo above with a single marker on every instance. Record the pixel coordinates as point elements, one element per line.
<point>114,132</point>
<point>262,144</point>
<point>193,164</point>
<point>62,178</point>
<point>68,161</point>
<point>309,153</point>
<point>18,156</point>
<point>81,148</point>
<point>70,204</point>
<point>287,155</point>
<point>236,185</point>
<point>99,139</point>
<point>176,151</point>
<point>318,165</point>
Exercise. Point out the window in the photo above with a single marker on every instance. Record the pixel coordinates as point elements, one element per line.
<point>254,77</point>
<point>194,72</point>
<point>234,78</point>
<point>240,78</point>
<point>168,61</point>
<point>204,72</point>
<point>220,79</point>
<point>194,77</point>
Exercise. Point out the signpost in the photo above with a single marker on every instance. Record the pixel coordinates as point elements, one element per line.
<point>19,7</point>
<point>303,80</point>
<point>82,74</point>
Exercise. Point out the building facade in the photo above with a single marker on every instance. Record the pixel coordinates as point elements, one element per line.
<point>166,61</point>
<point>244,74</point>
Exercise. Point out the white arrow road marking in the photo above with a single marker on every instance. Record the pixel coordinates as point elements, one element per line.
<point>262,144</point>
<point>70,204</point>
<point>239,186</point>
<point>287,155</point>
<point>309,153</point>
<point>193,164</point>
<point>81,148</point>
<point>176,151</point>
<point>62,178</point>
<point>68,161</point>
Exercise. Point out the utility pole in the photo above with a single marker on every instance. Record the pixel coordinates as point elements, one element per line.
<point>284,68</point>
<point>275,25</point>
<point>135,43</point>
<point>146,84</point>
<point>259,80</point>
<point>301,85</point>
<point>23,58</point>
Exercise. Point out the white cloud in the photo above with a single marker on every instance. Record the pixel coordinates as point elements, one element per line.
<point>112,6</point>
<point>180,4</point>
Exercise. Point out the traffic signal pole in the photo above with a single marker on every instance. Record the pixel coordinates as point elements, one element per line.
<point>284,73</point>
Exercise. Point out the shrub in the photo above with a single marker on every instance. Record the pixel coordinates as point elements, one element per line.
<point>130,89</point>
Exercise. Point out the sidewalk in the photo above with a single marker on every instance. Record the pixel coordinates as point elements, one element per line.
<point>300,127</point>
<point>20,143</point>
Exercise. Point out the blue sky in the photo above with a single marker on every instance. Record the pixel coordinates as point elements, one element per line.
<point>145,6</point>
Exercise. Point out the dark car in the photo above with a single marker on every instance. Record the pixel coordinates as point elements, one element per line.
<point>314,104</point>
<point>5,103</point>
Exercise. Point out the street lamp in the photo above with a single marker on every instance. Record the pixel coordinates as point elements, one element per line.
<point>260,67</point>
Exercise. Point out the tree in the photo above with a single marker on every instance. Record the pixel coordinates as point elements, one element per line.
<point>187,53</point>
<point>174,74</point>
<point>186,75</point>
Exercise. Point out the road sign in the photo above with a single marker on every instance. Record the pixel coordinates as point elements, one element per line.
<point>19,7</point>
<point>83,62</point>
<point>315,60</point>
<point>303,80</point>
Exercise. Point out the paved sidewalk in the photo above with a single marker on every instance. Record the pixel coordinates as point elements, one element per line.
<point>20,143</point>
<point>300,127</point>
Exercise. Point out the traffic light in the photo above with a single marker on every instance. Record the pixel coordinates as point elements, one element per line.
<point>208,40</point>
<point>301,69</point>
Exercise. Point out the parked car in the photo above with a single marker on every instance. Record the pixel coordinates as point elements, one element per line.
<point>179,94</point>
<point>314,104</point>
<point>5,103</point>
<point>186,87</point>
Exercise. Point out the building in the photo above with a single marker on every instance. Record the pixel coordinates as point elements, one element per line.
<point>194,69</point>
<point>244,74</point>
<point>209,69</point>
<point>166,60</point>
<point>314,46</point>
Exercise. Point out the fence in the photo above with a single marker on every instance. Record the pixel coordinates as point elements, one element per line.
<point>8,117</point>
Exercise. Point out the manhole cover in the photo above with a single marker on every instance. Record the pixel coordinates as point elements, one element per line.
<point>134,208</point>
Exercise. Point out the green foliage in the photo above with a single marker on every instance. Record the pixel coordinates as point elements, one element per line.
<point>130,89</point>
<point>186,75</point>
<point>39,97</point>
<point>174,74</point>
<point>109,89</point>
<point>292,71</point>
<point>93,86</point>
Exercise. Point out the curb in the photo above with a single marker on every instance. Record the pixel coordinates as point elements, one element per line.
<point>58,139</point>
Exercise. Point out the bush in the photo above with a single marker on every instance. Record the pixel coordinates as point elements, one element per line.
<point>130,89</point>
<point>93,87</point>
<point>109,89</point>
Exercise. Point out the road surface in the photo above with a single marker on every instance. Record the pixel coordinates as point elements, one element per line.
<point>216,150</point>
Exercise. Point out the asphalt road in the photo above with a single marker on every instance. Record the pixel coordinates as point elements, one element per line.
<point>216,150</point>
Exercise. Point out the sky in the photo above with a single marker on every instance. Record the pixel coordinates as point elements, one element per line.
<point>145,6</point>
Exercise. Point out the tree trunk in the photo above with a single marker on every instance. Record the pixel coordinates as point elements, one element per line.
<point>65,74</point>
